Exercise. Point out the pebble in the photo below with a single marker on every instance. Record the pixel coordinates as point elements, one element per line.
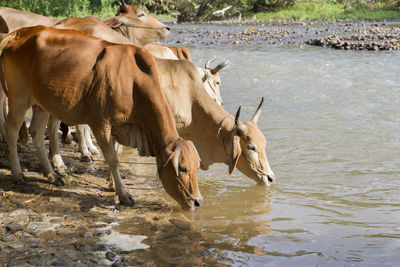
<point>59,263</point>
<point>7,238</point>
<point>34,243</point>
<point>374,38</point>
<point>111,256</point>
<point>14,227</point>
<point>183,225</point>
<point>36,260</point>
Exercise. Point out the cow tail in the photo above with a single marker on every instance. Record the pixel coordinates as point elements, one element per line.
<point>3,45</point>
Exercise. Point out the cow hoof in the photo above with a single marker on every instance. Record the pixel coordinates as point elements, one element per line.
<point>55,179</point>
<point>68,139</point>
<point>20,179</point>
<point>126,200</point>
<point>94,151</point>
<point>111,186</point>
<point>60,169</point>
<point>59,182</point>
<point>86,158</point>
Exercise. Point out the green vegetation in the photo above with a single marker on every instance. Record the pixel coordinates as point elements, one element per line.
<point>199,10</point>
<point>330,10</point>
<point>69,175</point>
<point>64,8</point>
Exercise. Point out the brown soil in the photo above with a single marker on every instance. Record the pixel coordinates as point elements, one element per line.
<point>45,225</point>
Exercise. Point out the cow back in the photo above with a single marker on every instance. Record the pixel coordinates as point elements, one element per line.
<point>16,19</point>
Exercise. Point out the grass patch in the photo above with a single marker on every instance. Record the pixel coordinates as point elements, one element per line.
<point>325,11</point>
<point>68,176</point>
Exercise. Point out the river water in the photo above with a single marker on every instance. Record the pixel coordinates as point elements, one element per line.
<point>332,123</point>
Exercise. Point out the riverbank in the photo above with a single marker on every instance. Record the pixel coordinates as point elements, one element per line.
<point>345,35</point>
<point>79,224</point>
<point>328,10</point>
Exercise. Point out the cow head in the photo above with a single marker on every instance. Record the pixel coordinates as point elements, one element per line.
<point>247,151</point>
<point>137,25</point>
<point>178,173</point>
<point>212,81</point>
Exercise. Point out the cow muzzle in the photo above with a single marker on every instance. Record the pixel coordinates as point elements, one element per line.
<point>196,203</point>
<point>266,179</point>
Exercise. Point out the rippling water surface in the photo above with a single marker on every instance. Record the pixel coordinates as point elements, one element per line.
<point>332,122</point>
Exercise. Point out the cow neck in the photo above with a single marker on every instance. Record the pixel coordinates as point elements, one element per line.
<point>163,128</point>
<point>214,129</point>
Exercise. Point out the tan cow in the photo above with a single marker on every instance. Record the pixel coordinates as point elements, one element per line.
<point>211,79</point>
<point>113,88</point>
<point>133,23</point>
<point>218,136</point>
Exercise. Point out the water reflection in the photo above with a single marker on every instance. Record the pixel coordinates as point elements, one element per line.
<point>332,122</point>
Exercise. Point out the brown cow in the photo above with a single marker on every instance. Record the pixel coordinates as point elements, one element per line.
<point>132,21</point>
<point>179,52</point>
<point>113,88</point>
<point>218,136</point>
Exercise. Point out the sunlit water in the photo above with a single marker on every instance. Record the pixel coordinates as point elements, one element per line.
<point>332,122</point>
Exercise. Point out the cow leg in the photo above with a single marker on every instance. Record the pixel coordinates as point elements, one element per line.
<point>23,134</point>
<point>86,156</point>
<point>109,175</point>
<point>37,130</point>
<point>66,136</point>
<point>92,148</point>
<point>52,126</point>
<point>2,114</point>
<point>104,140</point>
<point>12,125</point>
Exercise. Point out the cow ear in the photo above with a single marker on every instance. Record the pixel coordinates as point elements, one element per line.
<point>167,157</point>
<point>234,153</point>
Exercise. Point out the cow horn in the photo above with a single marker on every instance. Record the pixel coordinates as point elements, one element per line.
<point>239,125</point>
<point>207,66</point>
<point>258,112</point>
<point>175,160</point>
<point>123,7</point>
<point>219,67</point>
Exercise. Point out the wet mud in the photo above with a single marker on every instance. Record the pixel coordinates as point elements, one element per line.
<point>355,35</point>
<point>81,223</point>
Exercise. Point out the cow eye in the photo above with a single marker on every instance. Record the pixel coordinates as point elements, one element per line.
<point>251,147</point>
<point>182,169</point>
<point>141,15</point>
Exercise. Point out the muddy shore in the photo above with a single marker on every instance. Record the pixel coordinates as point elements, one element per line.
<point>80,224</point>
<point>344,35</point>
